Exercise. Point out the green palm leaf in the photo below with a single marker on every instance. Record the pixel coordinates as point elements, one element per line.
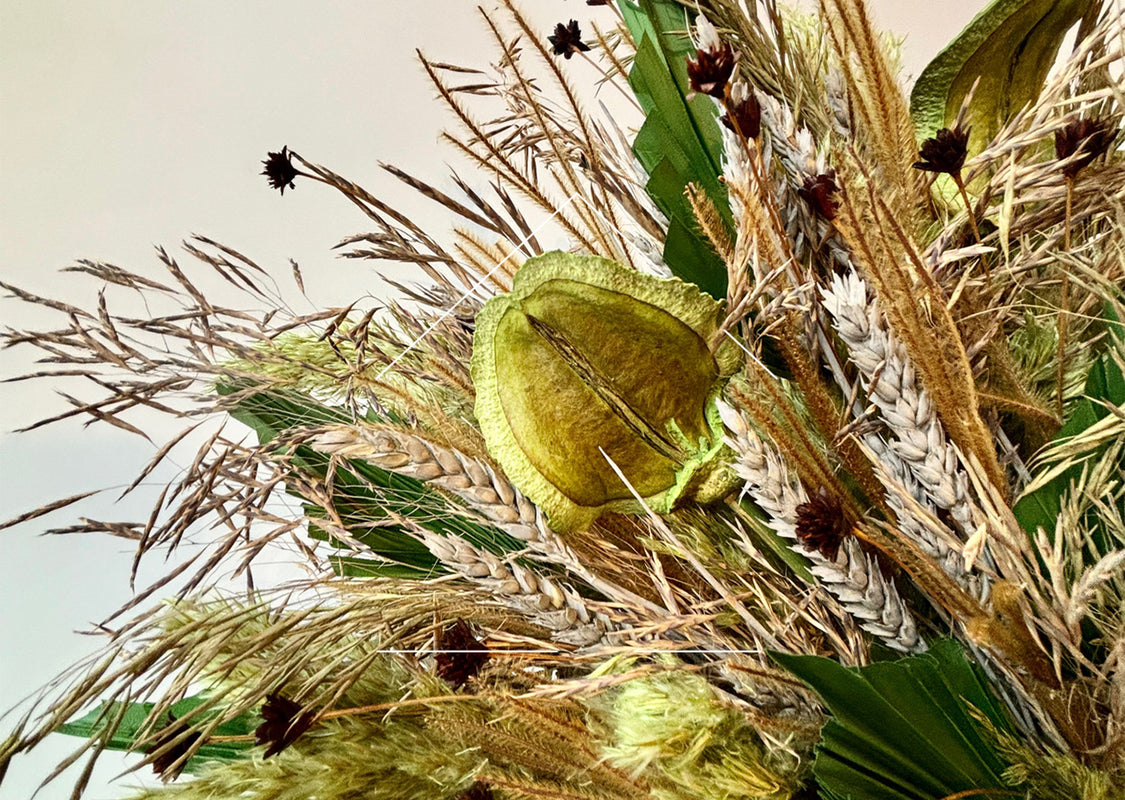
<point>679,142</point>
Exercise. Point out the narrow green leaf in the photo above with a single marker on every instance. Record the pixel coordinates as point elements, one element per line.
<point>1040,508</point>
<point>130,723</point>
<point>680,141</point>
<point>354,567</point>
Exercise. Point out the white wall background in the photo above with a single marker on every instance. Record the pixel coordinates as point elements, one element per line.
<point>129,123</point>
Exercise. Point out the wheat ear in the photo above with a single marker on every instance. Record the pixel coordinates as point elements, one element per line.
<point>920,456</point>
<point>487,492</point>
<point>539,598</point>
<point>853,576</point>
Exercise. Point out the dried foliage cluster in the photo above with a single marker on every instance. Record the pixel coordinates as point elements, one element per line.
<point>899,572</point>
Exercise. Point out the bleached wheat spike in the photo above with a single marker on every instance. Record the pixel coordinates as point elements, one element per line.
<point>853,577</point>
<point>888,377</point>
<point>799,156</point>
<point>475,482</point>
<point>916,518</point>
<point>545,602</point>
<point>736,173</point>
<point>921,462</point>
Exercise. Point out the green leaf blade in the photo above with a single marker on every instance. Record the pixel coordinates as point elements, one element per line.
<point>1009,46</point>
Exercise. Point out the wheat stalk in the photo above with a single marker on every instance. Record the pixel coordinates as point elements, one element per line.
<point>477,483</point>
<point>853,577</point>
<point>887,375</point>
<point>541,599</point>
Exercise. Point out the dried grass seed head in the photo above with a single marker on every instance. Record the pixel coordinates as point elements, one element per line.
<point>284,723</point>
<point>820,192</point>
<point>480,791</point>
<point>822,524</point>
<point>460,655</point>
<point>713,65</point>
<point>744,112</point>
<point>168,765</point>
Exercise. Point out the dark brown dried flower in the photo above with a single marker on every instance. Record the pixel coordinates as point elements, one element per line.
<point>711,70</point>
<point>280,170</point>
<point>284,723</point>
<point>597,2</point>
<point>819,191</point>
<point>459,654</point>
<point>1082,141</point>
<point>567,40</point>
<point>164,764</point>
<point>744,112</point>
<point>478,791</point>
<point>714,61</point>
<point>822,524</point>
<point>946,151</point>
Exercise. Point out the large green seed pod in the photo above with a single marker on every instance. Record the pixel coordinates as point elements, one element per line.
<point>586,362</point>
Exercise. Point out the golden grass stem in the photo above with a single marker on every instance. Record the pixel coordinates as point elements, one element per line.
<point>1064,305</point>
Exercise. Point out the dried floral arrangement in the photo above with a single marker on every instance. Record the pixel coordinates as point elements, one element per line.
<point>799,475</point>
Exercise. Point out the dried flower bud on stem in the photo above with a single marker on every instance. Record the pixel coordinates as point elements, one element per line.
<point>945,154</point>
<point>713,65</point>
<point>567,40</point>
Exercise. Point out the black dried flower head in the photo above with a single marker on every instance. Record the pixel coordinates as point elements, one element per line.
<point>714,61</point>
<point>946,151</point>
<point>478,791</point>
<point>744,112</point>
<point>819,191</point>
<point>711,70</point>
<point>822,524</point>
<point>164,764</point>
<point>459,654</point>
<point>1082,141</point>
<point>284,723</point>
<point>279,169</point>
<point>567,40</point>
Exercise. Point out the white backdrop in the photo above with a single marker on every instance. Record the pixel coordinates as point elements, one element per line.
<point>129,123</point>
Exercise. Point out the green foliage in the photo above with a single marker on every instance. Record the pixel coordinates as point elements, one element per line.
<point>1009,46</point>
<point>1105,387</point>
<point>121,723</point>
<point>340,760</point>
<point>903,730</point>
<point>679,142</point>
<point>1048,776</point>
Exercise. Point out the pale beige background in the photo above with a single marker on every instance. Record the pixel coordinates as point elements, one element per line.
<point>129,123</point>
